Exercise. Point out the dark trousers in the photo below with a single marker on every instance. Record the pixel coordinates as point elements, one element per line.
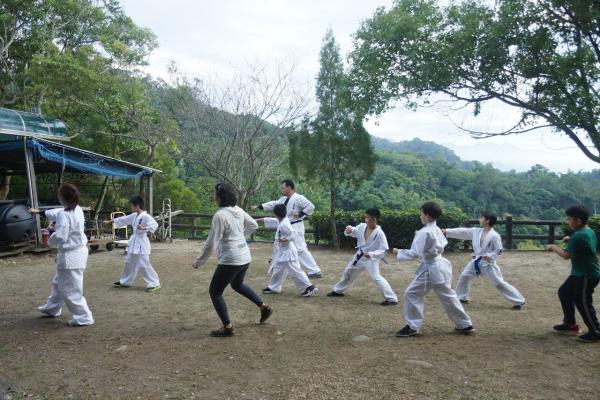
<point>577,292</point>
<point>223,276</point>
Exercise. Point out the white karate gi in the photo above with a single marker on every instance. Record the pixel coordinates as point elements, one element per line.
<point>376,245</point>
<point>284,260</point>
<point>434,273</point>
<point>137,258</point>
<point>492,248</point>
<point>298,204</point>
<point>67,285</point>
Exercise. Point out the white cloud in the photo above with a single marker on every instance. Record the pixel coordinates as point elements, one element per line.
<point>214,38</point>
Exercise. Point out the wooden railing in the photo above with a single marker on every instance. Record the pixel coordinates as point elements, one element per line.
<point>201,222</point>
<point>509,236</point>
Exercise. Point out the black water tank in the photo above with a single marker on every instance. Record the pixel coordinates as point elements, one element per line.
<point>16,224</point>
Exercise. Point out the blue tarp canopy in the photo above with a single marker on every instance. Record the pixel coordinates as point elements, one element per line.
<point>50,157</point>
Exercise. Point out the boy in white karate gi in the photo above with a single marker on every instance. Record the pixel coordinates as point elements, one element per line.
<point>371,246</point>
<point>70,240</point>
<point>297,207</point>
<point>284,260</point>
<point>487,247</point>
<point>137,258</point>
<point>434,273</point>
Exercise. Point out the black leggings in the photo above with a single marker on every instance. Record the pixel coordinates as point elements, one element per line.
<point>577,292</point>
<point>223,276</point>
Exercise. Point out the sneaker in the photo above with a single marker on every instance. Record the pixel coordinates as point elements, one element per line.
<point>589,337</point>
<point>153,289</point>
<point>464,301</point>
<point>265,313</point>
<point>310,291</point>
<point>223,332</point>
<point>75,324</point>
<point>46,313</point>
<point>118,285</point>
<point>269,291</point>
<point>567,329</point>
<point>406,332</point>
<point>517,306</point>
<point>465,331</point>
<point>315,275</point>
<point>335,294</point>
<point>388,303</point>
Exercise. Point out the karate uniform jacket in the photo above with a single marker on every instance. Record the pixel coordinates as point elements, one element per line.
<point>491,247</point>
<point>296,204</point>
<point>68,237</point>
<point>376,245</point>
<point>138,243</point>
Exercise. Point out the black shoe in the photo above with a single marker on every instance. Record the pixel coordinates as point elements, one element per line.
<point>316,275</point>
<point>465,331</point>
<point>566,329</point>
<point>463,301</point>
<point>589,337</point>
<point>222,332</point>
<point>269,291</point>
<point>406,332</point>
<point>310,291</point>
<point>335,294</point>
<point>517,306</point>
<point>388,303</point>
<point>118,285</point>
<point>265,313</point>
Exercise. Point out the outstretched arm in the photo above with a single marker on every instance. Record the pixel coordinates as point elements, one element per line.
<point>459,233</point>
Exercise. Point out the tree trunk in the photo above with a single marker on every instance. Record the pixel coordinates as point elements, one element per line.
<point>101,197</point>
<point>334,237</point>
<point>4,187</point>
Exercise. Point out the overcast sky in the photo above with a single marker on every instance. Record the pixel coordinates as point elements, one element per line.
<point>212,38</point>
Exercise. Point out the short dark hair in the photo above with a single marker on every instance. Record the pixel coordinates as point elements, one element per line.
<point>489,217</point>
<point>432,209</point>
<point>137,201</point>
<point>373,212</point>
<point>69,195</point>
<point>578,212</point>
<point>280,211</point>
<point>289,183</point>
<point>225,193</point>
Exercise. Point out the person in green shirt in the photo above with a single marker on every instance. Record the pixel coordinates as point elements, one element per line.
<point>577,290</point>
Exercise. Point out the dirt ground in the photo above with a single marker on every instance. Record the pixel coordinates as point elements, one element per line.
<point>155,345</point>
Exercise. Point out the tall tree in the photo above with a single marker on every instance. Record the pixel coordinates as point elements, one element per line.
<point>334,148</point>
<point>540,57</point>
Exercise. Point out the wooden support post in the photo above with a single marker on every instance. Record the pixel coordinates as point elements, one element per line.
<point>150,196</point>
<point>509,232</point>
<point>551,234</point>
<point>32,188</point>
<point>194,232</point>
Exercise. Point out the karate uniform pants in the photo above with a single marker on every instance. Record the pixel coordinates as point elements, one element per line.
<point>414,304</point>
<point>135,263</point>
<point>364,264</point>
<point>494,275</point>
<point>67,289</point>
<point>308,262</point>
<point>281,269</point>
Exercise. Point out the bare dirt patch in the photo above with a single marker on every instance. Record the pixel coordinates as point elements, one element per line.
<point>155,345</point>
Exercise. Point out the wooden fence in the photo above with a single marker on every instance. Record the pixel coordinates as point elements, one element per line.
<point>198,223</point>
<point>201,222</point>
<point>509,236</point>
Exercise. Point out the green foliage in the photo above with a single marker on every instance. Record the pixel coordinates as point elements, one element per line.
<point>529,245</point>
<point>399,226</point>
<point>540,57</point>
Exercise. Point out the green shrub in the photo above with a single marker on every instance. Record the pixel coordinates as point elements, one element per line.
<point>399,226</point>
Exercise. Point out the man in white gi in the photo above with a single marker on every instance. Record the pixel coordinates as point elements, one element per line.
<point>371,245</point>
<point>137,258</point>
<point>70,240</point>
<point>284,260</point>
<point>434,273</point>
<point>297,207</point>
<point>487,247</point>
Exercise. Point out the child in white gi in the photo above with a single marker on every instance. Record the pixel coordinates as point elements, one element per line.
<point>487,247</point>
<point>434,273</point>
<point>137,258</point>
<point>70,240</point>
<point>284,260</point>
<point>371,247</point>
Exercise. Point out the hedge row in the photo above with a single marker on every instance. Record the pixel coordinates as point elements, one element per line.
<point>399,226</point>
